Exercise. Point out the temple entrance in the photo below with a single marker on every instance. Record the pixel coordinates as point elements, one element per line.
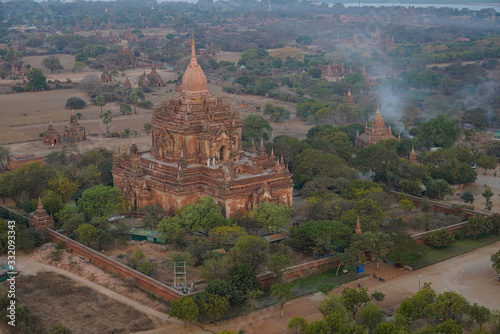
<point>222,153</point>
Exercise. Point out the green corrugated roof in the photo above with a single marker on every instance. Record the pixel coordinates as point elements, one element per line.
<point>142,232</point>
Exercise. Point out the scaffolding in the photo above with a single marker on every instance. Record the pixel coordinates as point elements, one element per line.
<point>180,276</point>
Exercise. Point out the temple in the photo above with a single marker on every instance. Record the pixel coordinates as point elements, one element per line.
<point>376,132</point>
<point>51,136</point>
<point>413,156</point>
<point>196,151</point>
<point>74,129</point>
<point>40,219</point>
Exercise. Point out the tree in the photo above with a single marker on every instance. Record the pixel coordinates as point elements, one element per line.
<point>405,249</point>
<point>467,197</point>
<point>480,314</point>
<point>147,127</point>
<point>211,305</point>
<point>277,264</point>
<point>345,259</point>
<point>70,218</point>
<point>477,225</point>
<point>106,119</point>
<point>376,244</point>
<point>440,131</point>
<point>78,66</point>
<point>60,329</point>
<point>439,239</point>
<point>36,81</point>
<point>449,327</point>
<point>154,215</point>
<point>304,39</point>
<point>148,267</point>
<point>4,156</point>
<point>297,325</point>
<point>75,103</point>
<point>288,53</point>
<point>251,250</point>
<point>87,233</point>
<point>378,296</point>
<point>438,189</point>
<point>282,292</point>
<point>495,260</point>
<point>256,127</point>
<point>204,215</point>
<point>353,299</point>
<point>100,201</point>
<point>451,304</point>
<point>52,63</point>
<point>251,298</point>
<point>81,57</point>
<point>487,194</point>
<point>183,309</point>
<point>227,236</point>
<point>371,316</point>
<point>63,187</point>
<point>486,162</point>
<point>272,217</point>
<point>241,279</point>
<point>214,268</point>
<point>324,288</point>
<point>100,101</point>
<point>406,205</point>
<point>125,109</point>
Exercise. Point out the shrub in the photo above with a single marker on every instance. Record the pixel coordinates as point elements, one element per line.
<point>75,103</point>
<point>439,239</point>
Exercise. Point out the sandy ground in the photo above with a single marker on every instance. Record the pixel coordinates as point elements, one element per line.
<point>469,274</point>
<point>30,267</point>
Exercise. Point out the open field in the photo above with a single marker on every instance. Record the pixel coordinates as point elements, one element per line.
<point>90,311</point>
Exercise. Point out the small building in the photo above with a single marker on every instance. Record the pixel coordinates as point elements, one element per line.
<point>140,234</point>
<point>106,76</point>
<point>40,219</point>
<point>74,129</point>
<point>274,238</point>
<point>51,136</point>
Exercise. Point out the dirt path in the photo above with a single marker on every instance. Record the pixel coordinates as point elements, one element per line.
<point>469,274</point>
<point>27,266</point>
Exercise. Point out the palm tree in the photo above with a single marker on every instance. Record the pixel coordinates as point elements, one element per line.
<point>106,119</point>
<point>100,101</point>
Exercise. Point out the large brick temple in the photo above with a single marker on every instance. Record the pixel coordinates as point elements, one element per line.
<point>196,151</point>
<point>376,132</point>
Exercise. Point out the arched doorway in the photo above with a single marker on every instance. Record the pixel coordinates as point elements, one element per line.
<point>222,153</point>
<point>55,141</point>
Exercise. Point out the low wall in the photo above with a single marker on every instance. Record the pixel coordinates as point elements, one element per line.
<point>104,262</point>
<point>420,237</point>
<point>301,270</point>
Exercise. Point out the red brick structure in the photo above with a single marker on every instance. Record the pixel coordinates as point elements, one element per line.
<point>196,151</point>
<point>377,132</point>
<point>127,83</point>
<point>112,37</point>
<point>151,79</point>
<point>106,76</point>
<point>413,156</point>
<point>74,129</point>
<point>348,100</point>
<point>388,43</point>
<point>332,70</point>
<point>358,228</point>
<point>128,36</point>
<point>17,161</point>
<point>40,219</point>
<point>132,59</point>
<point>51,136</point>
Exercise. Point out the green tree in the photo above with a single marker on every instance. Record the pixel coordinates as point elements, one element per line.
<point>376,244</point>
<point>272,217</point>
<point>371,316</point>
<point>243,80</point>
<point>204,215</point>
<point>353,299</point>
<point>265,85</point>
<point>214,268</point>
<point>183,309</point>
<point>277,264</point>
<point>75,103</point>
<point>346,259</point>
<point>449,327</point>
<point>60,329</point>
<point>282,292</point>
<point>36,81</point>
<point>495,260</point>
<point>154,215</point>
<point>251,298</point>
<point>100,201</point>
<point>438,189</point>
<point>487,194</point>
<point>227,236</point>
<point>87,233</point>
<point>477,225</point>
<point>241,279</point>
<point>405,249</point>
<point>63,187</point>
<point>451,304</point>
<point>256,127</point>
<point>106,119</point>
<point>406,205</point>
<point>100,101</point>
<point>324,288</point>
<point>147,127</point>
<point>70,217</point>
<point>297,325</point>
<point>4,156</point>
<point>78,67</point>
<point>480,314</point>
<point>378,296</point>
<point>52,63</point>
<point>304,39</point>
<point>467,197</point>
<point>148,268</point>
<point>440,131</point>
<point>486,162</point>
<point>125,109</point>
<point>494,321</point>
<point>81,57</point>
<point>439,239</point>
<point>251,250</point>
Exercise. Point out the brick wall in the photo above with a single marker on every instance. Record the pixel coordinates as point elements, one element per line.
<point>104,262</point>
<point>302,270</point>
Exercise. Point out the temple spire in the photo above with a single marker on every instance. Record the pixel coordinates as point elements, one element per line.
<point>358,228</point>
<point>193,48</point>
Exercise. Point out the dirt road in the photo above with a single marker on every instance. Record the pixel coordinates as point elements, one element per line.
<point>469,274</point>
<point>27,266</point>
